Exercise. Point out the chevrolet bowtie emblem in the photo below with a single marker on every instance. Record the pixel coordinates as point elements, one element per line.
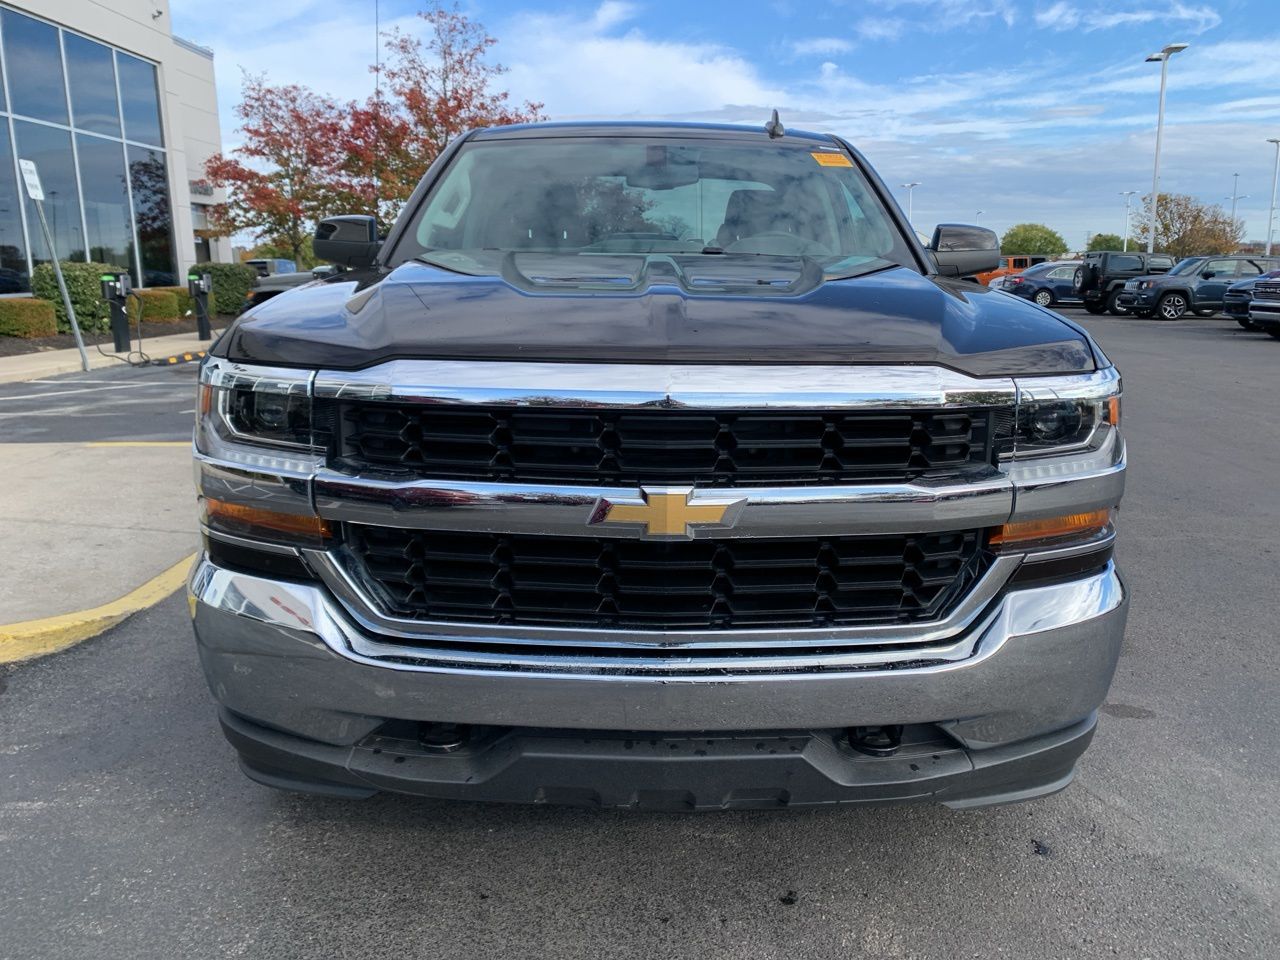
<point>668,512</point>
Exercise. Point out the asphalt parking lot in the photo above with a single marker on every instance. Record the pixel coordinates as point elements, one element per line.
<point>127,831</point>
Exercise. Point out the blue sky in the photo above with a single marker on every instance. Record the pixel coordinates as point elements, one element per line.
<point>1038,110</point>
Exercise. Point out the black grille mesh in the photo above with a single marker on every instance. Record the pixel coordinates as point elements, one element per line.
<point>494,443</point>
<point>697,584</point>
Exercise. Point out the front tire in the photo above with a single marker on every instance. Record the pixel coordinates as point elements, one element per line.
<point>1044,298</point>
<point>1246,324</point>
<point>1095,307</point>
<point>1113,305</point>
<point>1172,306</point>
<point>1273,332</point>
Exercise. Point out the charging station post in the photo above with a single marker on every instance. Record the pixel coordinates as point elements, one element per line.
<point>31,177</point>
<point>115,290</point>
<point>199,286</point>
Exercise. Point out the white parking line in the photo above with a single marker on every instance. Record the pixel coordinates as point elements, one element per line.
<point>66,393</point>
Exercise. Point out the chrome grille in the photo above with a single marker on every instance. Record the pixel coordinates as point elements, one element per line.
<point>632,446</point>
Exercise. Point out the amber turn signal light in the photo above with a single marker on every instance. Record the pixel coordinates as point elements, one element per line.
<point>237,517</point>
<point>1113,411</point>
<point>1074,526</point>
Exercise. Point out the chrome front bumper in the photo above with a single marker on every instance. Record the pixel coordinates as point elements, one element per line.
<point>288,656</point>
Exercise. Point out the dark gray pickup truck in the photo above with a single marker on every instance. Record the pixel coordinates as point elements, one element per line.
<point>652,465</point>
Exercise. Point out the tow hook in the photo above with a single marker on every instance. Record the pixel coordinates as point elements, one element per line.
<point>443,737</point>
<point>876,741</point>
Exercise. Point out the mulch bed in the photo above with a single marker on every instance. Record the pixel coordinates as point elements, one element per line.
<point>14,346</point>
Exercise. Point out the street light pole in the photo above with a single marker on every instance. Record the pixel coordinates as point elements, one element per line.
<point>1235,191</point>
<point>1128,199</point>
<point>1163,59</point>
<point>978,216</point>
<point>910,188</point>
<point>1275,175</point>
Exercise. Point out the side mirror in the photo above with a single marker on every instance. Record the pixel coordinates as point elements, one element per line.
<point>962,250</point>
<point>349,241</point>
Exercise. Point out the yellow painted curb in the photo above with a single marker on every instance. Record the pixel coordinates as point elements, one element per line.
<point>35,638</point>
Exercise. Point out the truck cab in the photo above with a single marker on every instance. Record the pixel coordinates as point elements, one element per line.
<point>657,466</point>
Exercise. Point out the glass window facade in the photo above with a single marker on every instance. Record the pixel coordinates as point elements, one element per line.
<point>89,116</point>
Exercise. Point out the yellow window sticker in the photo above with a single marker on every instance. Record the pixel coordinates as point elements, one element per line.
<point>832,159</point>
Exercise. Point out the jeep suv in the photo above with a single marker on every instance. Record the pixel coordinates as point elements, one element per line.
<point>657,465</point>
<point>1196,285</point>
<point>1099,281</point>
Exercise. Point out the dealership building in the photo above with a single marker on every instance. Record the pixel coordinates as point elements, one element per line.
<point>119,117</point>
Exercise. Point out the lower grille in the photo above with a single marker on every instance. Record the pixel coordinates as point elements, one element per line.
<point>607,583</point>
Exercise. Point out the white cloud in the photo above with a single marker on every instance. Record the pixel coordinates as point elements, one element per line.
<point>594,68</point>
<point>1075,15</point>
<point>881,28</point>
<point>820,46</point>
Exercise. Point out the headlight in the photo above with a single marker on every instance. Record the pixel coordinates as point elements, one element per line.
<point>259,414</point>
<point>1060,414</point>
<point>259,406</point>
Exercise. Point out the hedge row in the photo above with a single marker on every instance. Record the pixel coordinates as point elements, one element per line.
<point>156,304</point>
<point>187,303</point>
<point>84,284</point>
<point>231,282</point>
<point>27,317</point>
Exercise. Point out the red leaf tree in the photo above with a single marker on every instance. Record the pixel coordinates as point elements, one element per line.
<point>281,179</point>
<point>437,85</point>
<point>305,156</point>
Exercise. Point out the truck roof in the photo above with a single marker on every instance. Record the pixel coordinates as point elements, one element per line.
<point>641,128</point>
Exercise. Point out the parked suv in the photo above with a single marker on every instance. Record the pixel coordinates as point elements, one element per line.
<point>657,465</point>
<point>1235,302</point>
<point>1100,279</point>
<point>1196,285</point>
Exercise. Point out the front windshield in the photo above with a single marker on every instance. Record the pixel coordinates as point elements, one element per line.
<point>565,200</point>
<point>1186,266</point>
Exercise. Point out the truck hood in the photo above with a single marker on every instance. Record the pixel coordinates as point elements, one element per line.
<point>894,316</point>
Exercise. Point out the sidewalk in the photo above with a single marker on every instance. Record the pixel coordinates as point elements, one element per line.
<point>84,524</point>
<point>48,363</point>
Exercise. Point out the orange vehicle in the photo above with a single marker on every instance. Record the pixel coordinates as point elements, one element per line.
<point>1009,266</point>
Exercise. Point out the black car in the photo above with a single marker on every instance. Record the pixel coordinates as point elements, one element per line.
<point>1100,279</point>
<point>1045,283</point>
<point>1196,285</point>
<point>1235,302</point>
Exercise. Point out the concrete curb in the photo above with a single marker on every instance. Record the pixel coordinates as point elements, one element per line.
<point>36,638</point>
<point>164,351</point>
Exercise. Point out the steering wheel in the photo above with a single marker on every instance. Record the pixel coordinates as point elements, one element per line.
<point>799,246</point>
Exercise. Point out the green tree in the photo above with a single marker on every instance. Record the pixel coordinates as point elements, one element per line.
<point>1106,241</point>
<point>1032,238</point>
<point>1185,227</point>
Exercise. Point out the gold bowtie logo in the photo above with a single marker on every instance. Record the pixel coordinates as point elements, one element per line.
<point>668,513</point>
